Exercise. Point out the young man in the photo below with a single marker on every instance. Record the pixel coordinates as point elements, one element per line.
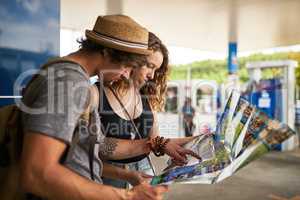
<point>55,158</point>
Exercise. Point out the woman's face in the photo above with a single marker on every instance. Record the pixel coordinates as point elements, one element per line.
<point>143,74</point>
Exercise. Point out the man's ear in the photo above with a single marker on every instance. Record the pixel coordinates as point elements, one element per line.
<point>105,53</point>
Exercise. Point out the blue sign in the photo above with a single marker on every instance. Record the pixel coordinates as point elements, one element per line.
<point>267,96</point>
<point>29,35</point>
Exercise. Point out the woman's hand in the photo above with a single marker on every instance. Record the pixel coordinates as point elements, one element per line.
<point>136,178</point>
<point>179,154</point>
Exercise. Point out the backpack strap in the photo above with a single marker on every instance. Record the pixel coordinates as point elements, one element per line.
<point>43,67</point>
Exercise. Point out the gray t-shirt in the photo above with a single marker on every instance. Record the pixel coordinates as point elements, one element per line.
<point>53,106</point>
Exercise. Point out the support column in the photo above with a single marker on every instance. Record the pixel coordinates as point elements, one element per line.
<point>232,48</point>
<point>114,7</point>
<point>233,37</point>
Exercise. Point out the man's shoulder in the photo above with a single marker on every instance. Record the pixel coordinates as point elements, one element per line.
<point>70,69</point>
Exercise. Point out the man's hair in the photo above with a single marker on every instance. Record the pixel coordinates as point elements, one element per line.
<point>116,56</point>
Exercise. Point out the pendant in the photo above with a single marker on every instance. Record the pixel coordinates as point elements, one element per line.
<point>132,135</point>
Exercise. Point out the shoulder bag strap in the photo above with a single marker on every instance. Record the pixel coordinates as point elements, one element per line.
<point>43,67</point>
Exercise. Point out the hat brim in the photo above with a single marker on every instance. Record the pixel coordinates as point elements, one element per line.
<point>115,45</point>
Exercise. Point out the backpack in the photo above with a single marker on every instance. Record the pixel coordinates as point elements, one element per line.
<point>11,139</point>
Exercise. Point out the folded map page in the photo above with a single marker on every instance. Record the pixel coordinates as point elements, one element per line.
<point>243,133</point>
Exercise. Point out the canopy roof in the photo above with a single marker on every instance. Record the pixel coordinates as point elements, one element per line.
<point>199,24</point>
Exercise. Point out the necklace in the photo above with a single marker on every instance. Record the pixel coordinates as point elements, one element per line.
<point>136,103</point>
<point>134,131</point>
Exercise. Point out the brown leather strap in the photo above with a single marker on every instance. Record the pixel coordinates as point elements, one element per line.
<point>45,66</point>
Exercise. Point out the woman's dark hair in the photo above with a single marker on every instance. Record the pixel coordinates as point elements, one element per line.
<point>116,56</point>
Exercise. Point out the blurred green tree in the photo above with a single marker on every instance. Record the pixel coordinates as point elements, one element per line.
<point>217,69</point>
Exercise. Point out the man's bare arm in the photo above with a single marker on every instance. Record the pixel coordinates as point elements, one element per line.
<point>44,176</point>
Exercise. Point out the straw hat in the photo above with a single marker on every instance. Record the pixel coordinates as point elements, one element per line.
<point>120,32</point>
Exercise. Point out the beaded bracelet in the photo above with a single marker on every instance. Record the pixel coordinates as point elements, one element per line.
<point>158,145</point>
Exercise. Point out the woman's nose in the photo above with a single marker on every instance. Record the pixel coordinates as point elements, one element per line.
<point>151,75</point>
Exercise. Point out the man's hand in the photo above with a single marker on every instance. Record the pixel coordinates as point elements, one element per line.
<point>179,154</point>
<point>136,178</point>
<point>145,191</point>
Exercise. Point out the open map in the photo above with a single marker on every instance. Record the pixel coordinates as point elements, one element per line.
<point>243,134</point>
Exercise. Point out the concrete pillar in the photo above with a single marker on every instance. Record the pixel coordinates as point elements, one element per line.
<point>233,37</point>
<point>114,7</point>
<point>233,79</point>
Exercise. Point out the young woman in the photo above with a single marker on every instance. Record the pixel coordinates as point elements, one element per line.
<point>128,111</point>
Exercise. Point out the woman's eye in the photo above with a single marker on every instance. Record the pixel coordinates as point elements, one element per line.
<point>151,66</point>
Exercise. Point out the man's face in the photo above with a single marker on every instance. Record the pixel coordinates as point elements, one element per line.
<point>111,72</point>
<point>111,75</point>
